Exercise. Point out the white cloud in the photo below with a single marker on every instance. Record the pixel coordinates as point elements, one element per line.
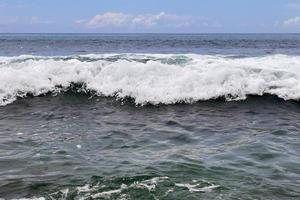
<point>37,20</point>
<point>4,20</point>
<point>162,18</point>
<point>148,20</point>
<point>295,21</point>
<point>109,19</point>
<point>80,21</point>
<point>119,19</point>
<point>293,6</point>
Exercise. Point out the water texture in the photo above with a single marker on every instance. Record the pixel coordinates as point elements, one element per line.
<point>149,116</point>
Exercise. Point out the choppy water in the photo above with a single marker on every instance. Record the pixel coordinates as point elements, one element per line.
<point>149,116</point>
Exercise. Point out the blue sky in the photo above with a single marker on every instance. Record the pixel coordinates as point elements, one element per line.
<point>188,16</point>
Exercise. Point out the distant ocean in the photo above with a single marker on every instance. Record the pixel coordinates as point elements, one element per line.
<point>150,116</point>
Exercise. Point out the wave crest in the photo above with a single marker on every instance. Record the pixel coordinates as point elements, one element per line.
<point>152,78</point>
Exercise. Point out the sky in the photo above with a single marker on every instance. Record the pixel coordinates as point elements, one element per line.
<point>150,16</point>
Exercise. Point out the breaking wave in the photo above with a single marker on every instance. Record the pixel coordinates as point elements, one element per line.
<point>147,188</point>
<point>152,78</point>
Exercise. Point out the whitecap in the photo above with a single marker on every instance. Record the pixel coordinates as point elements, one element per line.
<point>154,80</point>
<point>197,187</point>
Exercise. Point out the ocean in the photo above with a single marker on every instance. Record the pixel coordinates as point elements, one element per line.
<point>150,116</point>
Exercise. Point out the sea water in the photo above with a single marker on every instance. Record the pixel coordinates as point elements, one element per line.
<point>149,116</point>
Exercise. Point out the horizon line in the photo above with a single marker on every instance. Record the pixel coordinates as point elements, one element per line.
<point>149,33</point>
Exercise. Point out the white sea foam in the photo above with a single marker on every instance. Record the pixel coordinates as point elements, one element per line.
<point>153,78</point>
<point>102,191</point>
<point>33,198</point>
<point>197,187</point>
<point>88,191</point>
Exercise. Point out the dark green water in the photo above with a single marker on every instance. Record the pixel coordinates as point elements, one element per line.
<point>91,138</point>
<point>73,147</point>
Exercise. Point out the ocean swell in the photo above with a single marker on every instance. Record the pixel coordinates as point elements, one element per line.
<point>152,78</point>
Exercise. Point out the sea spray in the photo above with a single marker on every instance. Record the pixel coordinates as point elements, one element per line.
<point>152,78</point>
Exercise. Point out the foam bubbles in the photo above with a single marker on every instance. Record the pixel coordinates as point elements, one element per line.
<point>197,187</point>
<point>153,78</point>
<point>151,186</point>
<point>33,198</point>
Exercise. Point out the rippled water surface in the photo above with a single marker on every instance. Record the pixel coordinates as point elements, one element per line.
<point>73,146</point>
<point>66,44</point>
<point>149,116</point>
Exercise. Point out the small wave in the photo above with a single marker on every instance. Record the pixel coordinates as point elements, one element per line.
<point>161,186</point>
<point>33,198</point>
<point>197,187</point>
<point>152,78</point>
